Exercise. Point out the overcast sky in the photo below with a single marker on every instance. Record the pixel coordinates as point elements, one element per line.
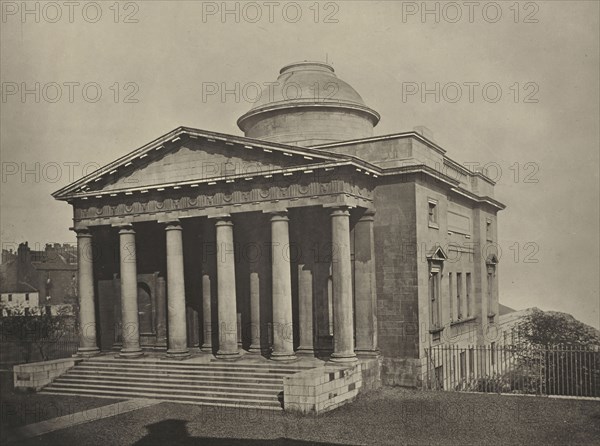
<point>542,132</point>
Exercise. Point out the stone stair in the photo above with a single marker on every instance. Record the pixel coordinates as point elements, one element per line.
<point>229,384</point>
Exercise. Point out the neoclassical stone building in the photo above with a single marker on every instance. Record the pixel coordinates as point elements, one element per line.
<point>307,237</point>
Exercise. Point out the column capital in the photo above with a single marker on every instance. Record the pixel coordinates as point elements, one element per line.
<point>82,232</point>
<point>125,228</point>
<point>340,211</point>
<point>173,225</point>
<point>279,216</point>
<point>223,221</point>
<point>369,215</point>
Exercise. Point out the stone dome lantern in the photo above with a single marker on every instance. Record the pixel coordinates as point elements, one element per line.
<point>308,105</point>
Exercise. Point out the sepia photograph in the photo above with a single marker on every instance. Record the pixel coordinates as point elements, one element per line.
<point>300,223</point>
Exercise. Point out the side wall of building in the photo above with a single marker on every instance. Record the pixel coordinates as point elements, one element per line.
<point>397,286</point>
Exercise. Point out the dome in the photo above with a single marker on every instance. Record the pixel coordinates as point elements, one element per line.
<point>308,105</point>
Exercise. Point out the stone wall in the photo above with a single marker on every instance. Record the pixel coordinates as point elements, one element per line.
<point>36,375</point>
<point>325,388</point>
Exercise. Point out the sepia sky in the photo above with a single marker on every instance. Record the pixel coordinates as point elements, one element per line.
<point>535,124</point>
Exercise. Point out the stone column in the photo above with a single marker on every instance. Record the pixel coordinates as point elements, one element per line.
<point>283,346</point>
<point>364,286</point>
<point>88,345</point>
<point>129,305</point>
<point>176,309</point>
<point>226,295</point>
<point>305,309</point>
<point>161,318</point>
<point>208,277</point>
<point>343,322</point>
<point>254,313</point>
<point>206,319</point>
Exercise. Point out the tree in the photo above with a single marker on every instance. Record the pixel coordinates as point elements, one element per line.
<point>552,329</point>
<point>564,352</point>
<point>31,331</point>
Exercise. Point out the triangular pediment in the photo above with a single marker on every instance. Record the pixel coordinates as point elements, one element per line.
<point>437,254</point>
<point>186,155</point>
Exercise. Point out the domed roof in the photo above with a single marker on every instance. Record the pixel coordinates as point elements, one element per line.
<point>308,84</point>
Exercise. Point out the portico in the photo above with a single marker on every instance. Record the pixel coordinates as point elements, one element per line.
<point>265,260</point>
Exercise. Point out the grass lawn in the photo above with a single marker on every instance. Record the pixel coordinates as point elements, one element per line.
<point>18,408</point>
<point>389,416</point>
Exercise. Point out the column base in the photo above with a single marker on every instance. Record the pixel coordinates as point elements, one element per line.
<point>343,357</point>
<point>206,348</point>
<point>305,351</point>
<point>255,349</point>
<point>87,351</point>
<point>130,353</point>
<point>228,355</point>
<point>178,354</point>
<point>367,353</point>
<point>283,356</point>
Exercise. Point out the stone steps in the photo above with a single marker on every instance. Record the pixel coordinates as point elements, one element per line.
<point>235,384</point>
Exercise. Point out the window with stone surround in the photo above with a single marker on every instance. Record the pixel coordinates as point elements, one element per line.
<point>491,264</point>
<point>468,293</point>
<point>471,361</point>
<point>434,298</point>
<point>451,295</point>
<point>459,315</point>
<point>488,230</point>
<point>433,213</point>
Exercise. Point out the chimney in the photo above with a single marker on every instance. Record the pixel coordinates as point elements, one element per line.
<point>23,262</point>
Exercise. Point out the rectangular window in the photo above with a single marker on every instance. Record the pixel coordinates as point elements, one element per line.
<point>434,297</point>
<point>10,297</point>
<point>490,292</point>
<point>468,294</point>
<point>458,291</point>
<point>451,295</point>
<point>472,361</point>
<point>433,213</point>
<point>463,365</point>
<point>488,230</point>
<point>330,306</point>
<point>439,377</point>
<point>27,297</point>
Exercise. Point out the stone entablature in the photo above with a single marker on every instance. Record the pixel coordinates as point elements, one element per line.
<point>352,191</point>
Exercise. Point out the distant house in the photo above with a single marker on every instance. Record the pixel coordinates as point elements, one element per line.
<point>45,279</point>
<point>18,297</point>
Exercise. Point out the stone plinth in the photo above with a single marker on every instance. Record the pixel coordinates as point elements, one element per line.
<point>36,375</point>
<point>325,388</point>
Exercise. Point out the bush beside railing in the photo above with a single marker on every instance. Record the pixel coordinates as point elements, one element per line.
<point>564,370</point>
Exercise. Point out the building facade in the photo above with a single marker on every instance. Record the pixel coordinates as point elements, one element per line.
<point>308,236</point>
<point>49,273</point>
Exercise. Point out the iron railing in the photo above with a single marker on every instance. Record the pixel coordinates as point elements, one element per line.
<point>561,370</point>
<point>19,352</point>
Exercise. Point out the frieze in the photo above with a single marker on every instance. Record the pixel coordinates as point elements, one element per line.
<point>216,196</point>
